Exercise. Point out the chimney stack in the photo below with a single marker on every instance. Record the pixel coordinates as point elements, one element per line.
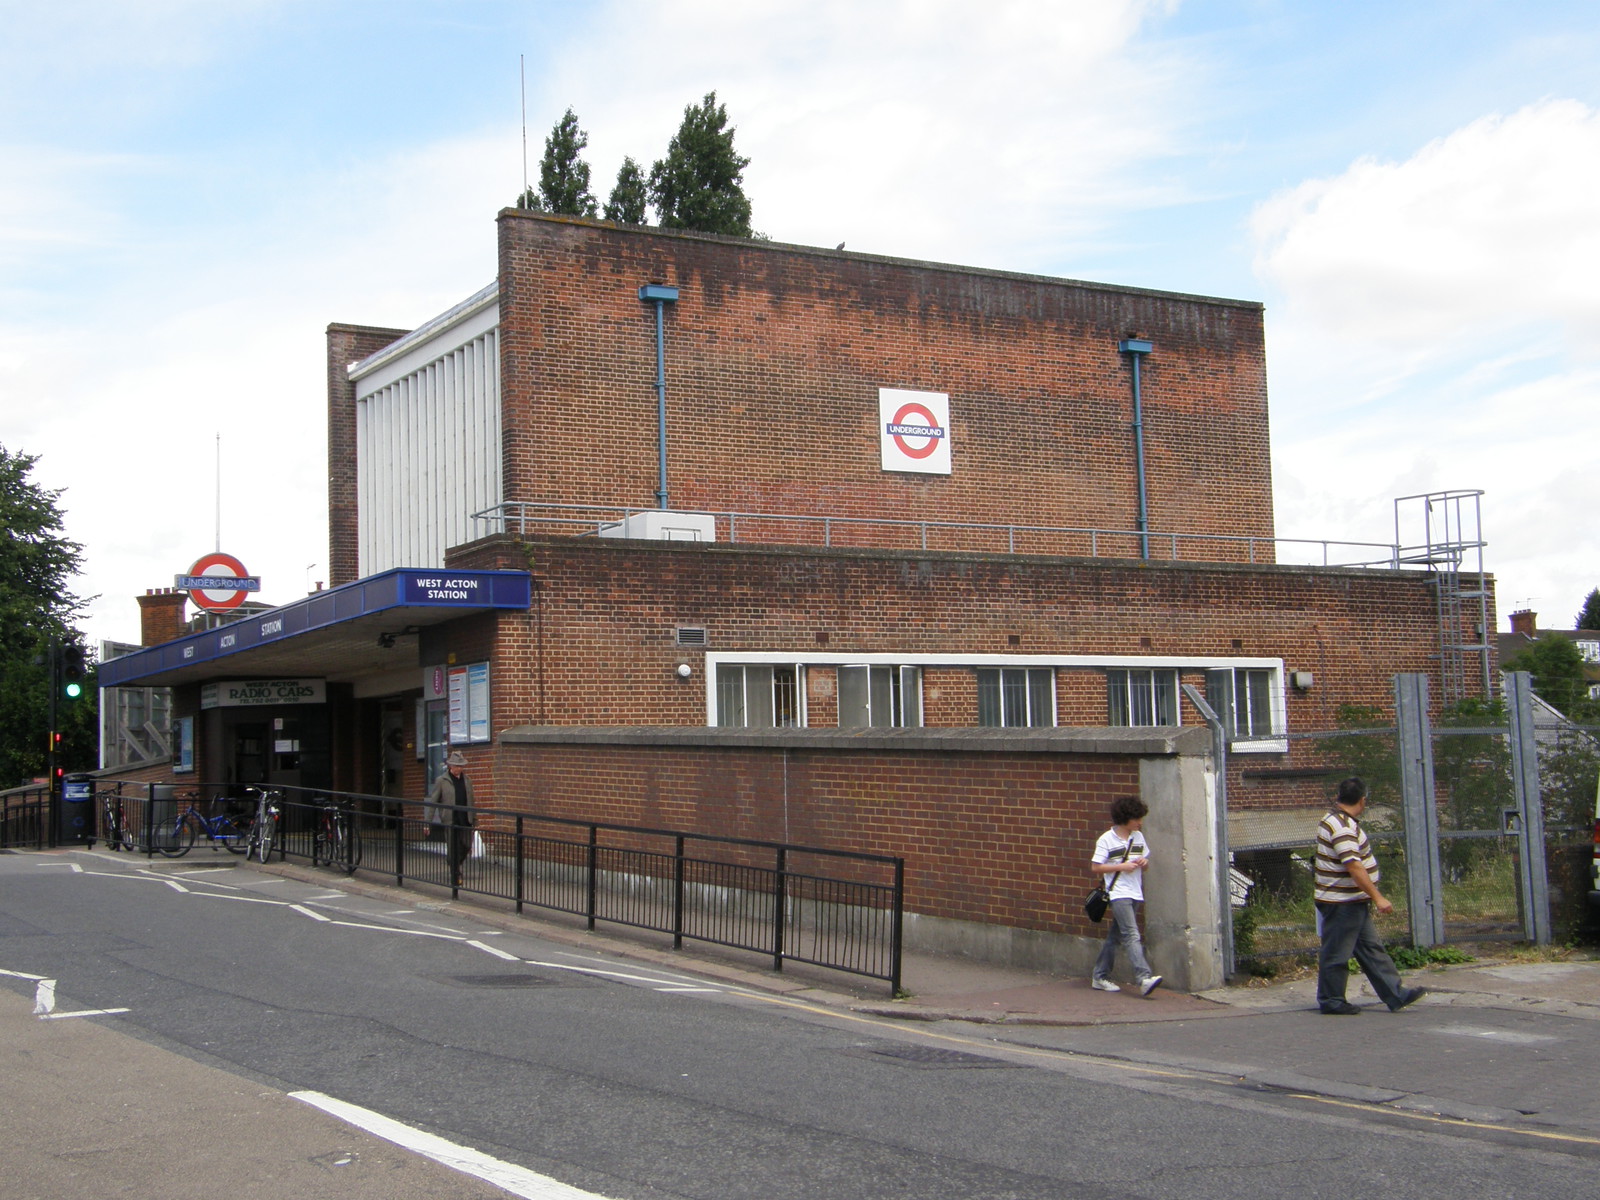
<point>161,616</point>
<point>1525,622</point>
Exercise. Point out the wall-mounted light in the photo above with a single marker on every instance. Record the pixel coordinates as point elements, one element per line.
<point>1301,681</point>
<point>685,670</point>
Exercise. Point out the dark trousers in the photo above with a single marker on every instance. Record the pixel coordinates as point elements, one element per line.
<point>1347,930</point>
<point>460,848</point>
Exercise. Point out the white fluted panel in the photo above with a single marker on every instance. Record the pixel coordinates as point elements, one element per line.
<point>428,448</point>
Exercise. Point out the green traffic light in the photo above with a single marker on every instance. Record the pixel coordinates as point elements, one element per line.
<point>74,690</point>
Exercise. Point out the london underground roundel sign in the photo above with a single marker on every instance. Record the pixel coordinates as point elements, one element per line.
<point>914,431</point>
<point>218,582</point>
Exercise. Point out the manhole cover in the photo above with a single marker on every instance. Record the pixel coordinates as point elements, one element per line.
<point>499,981</point>
<point>932,1057</point>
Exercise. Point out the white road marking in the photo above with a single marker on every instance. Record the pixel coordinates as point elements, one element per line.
<point>519,1181</point>
<point>87,1012</point>
<point>21,975</point>
<point>44,997</point>
<point>653,980</point>
<point>70,866</point>
<point>661,983</point>
<point>494,950</point>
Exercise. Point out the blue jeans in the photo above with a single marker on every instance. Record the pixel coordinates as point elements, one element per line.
<point>1347,930</point>
<point>1124,931</point>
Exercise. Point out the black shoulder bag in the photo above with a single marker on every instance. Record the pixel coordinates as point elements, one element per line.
<point>1100,899</point>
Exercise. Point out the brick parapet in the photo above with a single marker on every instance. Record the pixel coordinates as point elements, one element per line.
<point>775,355</point>
<point>346,344</point>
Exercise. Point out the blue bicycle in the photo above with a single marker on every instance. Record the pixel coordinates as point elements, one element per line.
<point>231,829</point>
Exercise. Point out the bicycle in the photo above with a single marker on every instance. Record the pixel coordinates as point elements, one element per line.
<point>262,829</point>
<point>227,829</point>
<point>115,830</point>
<point>337,841</point>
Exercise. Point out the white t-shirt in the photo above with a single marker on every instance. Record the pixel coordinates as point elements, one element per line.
<point>1122,885</point>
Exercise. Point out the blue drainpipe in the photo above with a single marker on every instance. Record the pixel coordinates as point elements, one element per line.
<point>661,296</point>
<point>1136,349</point>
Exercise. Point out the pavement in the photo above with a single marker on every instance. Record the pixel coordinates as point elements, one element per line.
<point>948,988</point>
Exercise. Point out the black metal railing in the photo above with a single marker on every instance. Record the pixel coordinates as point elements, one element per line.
<point>25,818</point>
<point>836,909</point>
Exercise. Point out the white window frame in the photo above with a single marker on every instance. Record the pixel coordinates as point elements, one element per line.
<point>739,676</point>
<point>1023,689</point>
<point>1146,692</point>
<point>1058,662</point>
<point>891,695</point>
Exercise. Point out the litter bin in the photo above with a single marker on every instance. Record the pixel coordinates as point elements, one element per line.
<point>160,818</point>
<point>75,812</point>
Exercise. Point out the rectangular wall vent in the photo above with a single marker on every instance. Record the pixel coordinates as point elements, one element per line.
<point>690,635</point>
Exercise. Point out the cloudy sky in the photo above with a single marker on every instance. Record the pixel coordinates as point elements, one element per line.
<point>192,191</point>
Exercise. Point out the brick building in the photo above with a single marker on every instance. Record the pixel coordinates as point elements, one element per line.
<point>810,545</point>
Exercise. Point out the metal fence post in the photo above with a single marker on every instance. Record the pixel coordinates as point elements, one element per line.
<point>899,922</point>
<point>1531,866</point>
<point>1224,871</point>
<point>518,836</point>
<point>1414,746</point>
<point>398,816</point>
<point>780,891</point>
<point>594,861</point>
<point>677,895</point>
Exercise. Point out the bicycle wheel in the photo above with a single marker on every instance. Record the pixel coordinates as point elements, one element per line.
<point>127,827</point>
<point>322,848</point>
<point>264,832</point>
<point>352,849</point>
<point>110,826</point>
<point>234,835</point>
<point>180,840</point>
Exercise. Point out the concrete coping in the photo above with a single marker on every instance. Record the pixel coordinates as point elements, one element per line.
<point>1163,741</point>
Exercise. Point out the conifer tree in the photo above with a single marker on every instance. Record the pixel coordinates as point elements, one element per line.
<point>563,175</point>
<point>1589,614</point>
<point>628,197</point>
<point>698,184</point>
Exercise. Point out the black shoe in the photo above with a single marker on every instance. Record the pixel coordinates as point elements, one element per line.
<point>1410,996</point>
<point>1341,1008</point>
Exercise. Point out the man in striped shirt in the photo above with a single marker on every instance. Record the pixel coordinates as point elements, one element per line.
<point>1347,892</point>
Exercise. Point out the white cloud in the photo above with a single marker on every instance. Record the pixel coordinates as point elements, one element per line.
<point>1001,134</point>
<point>1436,327</point>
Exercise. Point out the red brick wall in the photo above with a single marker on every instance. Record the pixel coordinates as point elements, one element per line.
<point>993,838</point>
<point>346,344</point>
<point>775,355</point>
<point>598,646</point>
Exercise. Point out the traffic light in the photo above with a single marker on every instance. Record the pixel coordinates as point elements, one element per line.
<point>72,670</point>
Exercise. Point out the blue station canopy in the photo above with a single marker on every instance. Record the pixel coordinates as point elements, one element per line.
<point>346,631</point>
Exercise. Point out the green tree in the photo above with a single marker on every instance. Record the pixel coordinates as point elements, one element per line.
<point>698,184</point>
<point>563,175</point>
<point>1589,614</point>
<point>37,610</point>
<point>1556,664</point>
<point>629,196</point>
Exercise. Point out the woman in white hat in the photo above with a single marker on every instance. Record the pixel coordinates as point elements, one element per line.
<point>452,794</point>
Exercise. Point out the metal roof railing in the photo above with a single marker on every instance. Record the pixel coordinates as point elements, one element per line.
<point>539,518</point>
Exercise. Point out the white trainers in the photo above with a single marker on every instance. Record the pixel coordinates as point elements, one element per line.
<point>1149,984</point>
<point>1103,985</point>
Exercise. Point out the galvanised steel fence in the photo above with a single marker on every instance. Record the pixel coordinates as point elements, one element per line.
<point>836,909</point>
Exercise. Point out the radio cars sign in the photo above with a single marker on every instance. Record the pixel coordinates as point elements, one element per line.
<point>914,431</point>
<point>258,693</point>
